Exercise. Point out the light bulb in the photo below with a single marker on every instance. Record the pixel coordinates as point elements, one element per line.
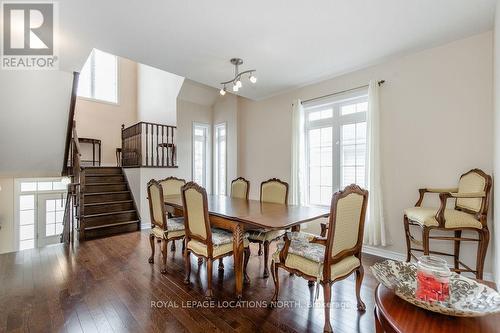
<point>235,88</point>
<point>253,79</point>
<point>239,84</point>
<point>222,92</point>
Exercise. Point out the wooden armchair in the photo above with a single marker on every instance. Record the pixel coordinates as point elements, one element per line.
<point>274,191</point>
<point>164,229</point>
<point>330,259</point>
<point>172,186</point>
<point>202,240</point>
<point>240,188</point>
<point>469,213</point>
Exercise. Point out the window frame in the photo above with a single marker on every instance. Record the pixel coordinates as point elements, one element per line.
<point>335,122</point>
<point>216,158</point>
<point>92,75</point>
<point>207,156</point>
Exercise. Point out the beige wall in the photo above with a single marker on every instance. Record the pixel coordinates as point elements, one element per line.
<point>103,121</point>
<point>6,215</point>
<point>436,123</point>
<point>496,152</point>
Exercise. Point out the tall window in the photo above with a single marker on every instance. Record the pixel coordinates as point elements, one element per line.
<point>201,138</point>
<point>99,77</point>
<point>220,159</point>
<point>335,145</point>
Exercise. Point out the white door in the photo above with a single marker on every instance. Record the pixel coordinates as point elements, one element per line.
<point>50,218</point>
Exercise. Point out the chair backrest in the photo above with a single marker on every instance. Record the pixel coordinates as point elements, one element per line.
<point>156,205</point>
<point>172,185</point>
<point>472,182</point>
<point>347,220</point>
<point>196,220</point>
<point>274,191</point>
<point>240,188</point>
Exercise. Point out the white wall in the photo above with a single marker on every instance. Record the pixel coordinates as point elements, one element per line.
<point>436,123</point>
<point>496,152</point>
<point>157,92</point>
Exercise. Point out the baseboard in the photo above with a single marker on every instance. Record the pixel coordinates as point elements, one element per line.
<point>380,252</point>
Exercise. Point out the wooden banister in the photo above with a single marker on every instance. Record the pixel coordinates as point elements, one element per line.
<point>71,117</point>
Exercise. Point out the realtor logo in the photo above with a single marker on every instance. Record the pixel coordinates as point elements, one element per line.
<point>29,33</point>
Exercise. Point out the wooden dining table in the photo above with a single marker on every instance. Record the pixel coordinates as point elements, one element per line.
<point>239,215</point>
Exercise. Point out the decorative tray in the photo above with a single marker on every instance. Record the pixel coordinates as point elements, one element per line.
<point>468,298</point>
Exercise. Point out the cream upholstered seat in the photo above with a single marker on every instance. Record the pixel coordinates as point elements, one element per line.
<point>469,213</point>
<point>271,191</point>
<point>240,188</point>
<point>201,239</point>
<point>162,228</point>
<point>329,259</point>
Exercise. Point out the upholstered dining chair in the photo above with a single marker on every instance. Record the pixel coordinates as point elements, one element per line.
<point>240,188</point>
<point>201,239</point>
<point>330,259</point>
<point>468,214</point>
<point>272,191</point>
<point>163,229</point>
<point>172,186</point>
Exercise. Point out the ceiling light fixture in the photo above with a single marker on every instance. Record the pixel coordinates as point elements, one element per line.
<point>236,81</point>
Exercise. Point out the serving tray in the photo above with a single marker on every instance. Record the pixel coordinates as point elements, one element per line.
<point>468,298</point>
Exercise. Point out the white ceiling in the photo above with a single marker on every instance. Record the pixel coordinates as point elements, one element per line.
<point>290,42</point>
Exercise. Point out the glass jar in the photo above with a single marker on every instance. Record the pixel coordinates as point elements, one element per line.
<point>433,279</point>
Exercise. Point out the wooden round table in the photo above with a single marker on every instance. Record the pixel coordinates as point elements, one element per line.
<point>393,314</point>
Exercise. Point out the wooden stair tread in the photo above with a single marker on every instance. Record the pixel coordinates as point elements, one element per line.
<point>99,193</point>
<point>107,203</point>
<point>112,225</point>
<point>105,184</point>
<point>109,213</point>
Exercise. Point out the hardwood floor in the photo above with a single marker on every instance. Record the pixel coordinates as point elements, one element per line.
<point>107,285</point>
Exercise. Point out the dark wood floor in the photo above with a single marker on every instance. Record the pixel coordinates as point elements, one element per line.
<point>107,285</point>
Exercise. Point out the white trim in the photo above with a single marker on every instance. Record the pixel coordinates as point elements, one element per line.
<point>207,157</point>
<point>216,159</point>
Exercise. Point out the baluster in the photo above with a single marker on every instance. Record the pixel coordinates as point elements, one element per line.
<point>147,149</point>
<point>157,142</point>
<point>163,146</point>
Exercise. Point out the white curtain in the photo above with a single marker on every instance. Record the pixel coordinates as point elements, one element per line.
<point>375,229</point>
<point>298,155</point>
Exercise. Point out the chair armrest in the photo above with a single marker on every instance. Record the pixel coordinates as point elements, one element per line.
<point>468,195</point>
<point>284,251</point>
<point>422,192</point>
<point>443,197</point>
<point>318,240</point>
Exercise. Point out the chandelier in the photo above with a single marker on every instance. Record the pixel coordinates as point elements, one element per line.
<point>236,81</point>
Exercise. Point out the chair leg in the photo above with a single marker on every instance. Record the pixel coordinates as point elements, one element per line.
<point>152,243</point>
<point>260,250</point>
<point>456,252</point>
<point>164,256</point>
<point>266,259</point>
<point>359,280</point>
<point>209,294</point>
<point>310,283</point>
<point>484,239</point>
<point>274,272</point>
<point>172,246</point>
<point>246,252</point>
<point>183,245</point>
<point>187,266</point>
<point>327,298</point>
<point>221,264</point>
<point>425,240</point>
<point>200,261</point>
<point>408,238</point>
<point>323,229</point>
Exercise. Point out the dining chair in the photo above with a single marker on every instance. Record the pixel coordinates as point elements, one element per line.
<point>240,188</point>
<point>163,229</point>
<point>271,191</point>
<point>328,260</point>
<point>469,214</point>
<point>201,239</point>
<point>172,186</point>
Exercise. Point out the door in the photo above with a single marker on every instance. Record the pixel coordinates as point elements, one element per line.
<point>50,218</point>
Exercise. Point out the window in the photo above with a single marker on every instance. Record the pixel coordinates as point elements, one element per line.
<point>335,134</point>
<point>99,77</point>
<point>201,137</point>
<point>220,159</point>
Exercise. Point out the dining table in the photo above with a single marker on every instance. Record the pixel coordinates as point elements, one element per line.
<point>239,215</point>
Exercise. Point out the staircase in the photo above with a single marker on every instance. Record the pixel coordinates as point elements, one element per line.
<point>106,203</point>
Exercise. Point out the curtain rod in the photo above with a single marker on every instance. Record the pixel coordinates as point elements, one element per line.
<point>381,82</point>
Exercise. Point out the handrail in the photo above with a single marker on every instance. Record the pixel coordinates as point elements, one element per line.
<point>71,117</point>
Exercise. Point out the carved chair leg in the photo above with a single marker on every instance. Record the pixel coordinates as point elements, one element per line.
<point>221,264</point>
<point>164,256</point>
<point>246,252</point>
<point>266,259</point>
<point>187,266</point>
<point>172,246</point>
<point>183,245</point>
<point>209,294</point>
<point>274,272</point>
<point>323,229</point>
<point>200,261</point>
<point>482,248</point>
<point>260,250</point>
<point>456,250</point>
<point>327,298</point>
<point>408,238</point>
<point>359,280</point>
<point>152,243</point>
<point>425,240</point>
